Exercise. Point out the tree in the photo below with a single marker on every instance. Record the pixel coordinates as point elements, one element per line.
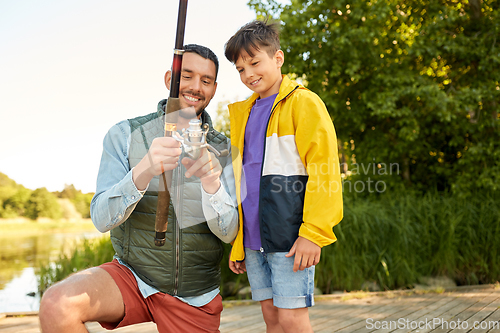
<point>13,197</point>
<point>42,203</point>
<point>80,200</point>
<point>16,204</point>
<point>411,83</point>
<point>222,123</point>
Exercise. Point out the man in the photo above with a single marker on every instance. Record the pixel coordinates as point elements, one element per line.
<point>176,285</point>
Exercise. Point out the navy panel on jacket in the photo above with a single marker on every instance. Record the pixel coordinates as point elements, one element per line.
<point>281,210</point>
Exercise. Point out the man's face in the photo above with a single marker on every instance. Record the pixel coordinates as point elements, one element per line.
<point>197,86</point>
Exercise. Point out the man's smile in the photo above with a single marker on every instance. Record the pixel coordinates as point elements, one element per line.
<point>191,98</point>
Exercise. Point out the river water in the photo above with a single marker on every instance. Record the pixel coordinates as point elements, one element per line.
<point>20,259</point>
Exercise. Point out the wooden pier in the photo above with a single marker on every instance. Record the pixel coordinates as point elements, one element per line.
<point>474,309</point>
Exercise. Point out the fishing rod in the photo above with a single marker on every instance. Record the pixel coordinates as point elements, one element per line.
<point>171,114</point>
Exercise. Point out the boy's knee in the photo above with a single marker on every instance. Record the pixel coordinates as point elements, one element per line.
<point>293,319</point>
<point>270,313</point>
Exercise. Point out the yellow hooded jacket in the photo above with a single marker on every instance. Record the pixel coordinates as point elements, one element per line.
<point>300,185</point>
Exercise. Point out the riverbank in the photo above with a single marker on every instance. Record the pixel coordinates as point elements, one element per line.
<point>28,246</point>
<point>28,227</point>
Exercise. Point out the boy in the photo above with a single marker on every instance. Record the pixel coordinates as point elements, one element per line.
<point>293,187</point>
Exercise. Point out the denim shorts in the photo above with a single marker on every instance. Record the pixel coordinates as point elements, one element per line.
<point>271,276</point>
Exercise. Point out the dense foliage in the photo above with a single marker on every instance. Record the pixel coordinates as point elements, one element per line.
<point>16,200</point>
<point>412,83</point>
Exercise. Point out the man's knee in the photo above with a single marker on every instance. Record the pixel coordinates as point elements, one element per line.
<point>66,299</point>
<point>54,303</point>
<point>54,306</point>
<point>89,295</point>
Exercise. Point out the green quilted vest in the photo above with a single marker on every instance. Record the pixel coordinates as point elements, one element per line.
<point>189,262</point>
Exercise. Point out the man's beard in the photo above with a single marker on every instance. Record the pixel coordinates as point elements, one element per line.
<point>190,113</point>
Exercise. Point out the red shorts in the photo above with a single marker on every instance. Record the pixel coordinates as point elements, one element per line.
<point>169,313</point>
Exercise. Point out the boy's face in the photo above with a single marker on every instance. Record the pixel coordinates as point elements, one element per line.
<point>261,73</point>
<point>197,85</point>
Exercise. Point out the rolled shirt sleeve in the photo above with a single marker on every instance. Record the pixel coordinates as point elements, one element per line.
<point>116,194</point>
<point>220,208</point>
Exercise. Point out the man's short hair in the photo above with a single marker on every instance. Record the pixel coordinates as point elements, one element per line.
<point>252,36</point>
<point>204,52</point>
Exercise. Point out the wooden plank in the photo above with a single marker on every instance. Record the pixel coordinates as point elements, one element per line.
<point>19,325</point>
<point>328,315</point>
<point>450,320</point>
<point>419,315</point>
<point>453,306</point>
<point>358,322</point>
<point>238,317</point>
<point>476,313</point>
<point>94,327</point>
<point>411,306</point>
<point>491,323</point>
<point>338,320</point>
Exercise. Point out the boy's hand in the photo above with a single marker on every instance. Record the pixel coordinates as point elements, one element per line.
<point>306,253</point>
<point>238,267</point>
<point>207,167</point>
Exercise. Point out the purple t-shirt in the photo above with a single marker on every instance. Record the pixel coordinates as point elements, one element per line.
<point>252,164</point>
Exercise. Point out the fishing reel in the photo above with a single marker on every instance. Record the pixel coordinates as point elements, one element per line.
<point>194,138</point>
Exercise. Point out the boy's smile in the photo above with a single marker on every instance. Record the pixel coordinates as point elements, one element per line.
<point>254,83</point>
<point>261,73</point>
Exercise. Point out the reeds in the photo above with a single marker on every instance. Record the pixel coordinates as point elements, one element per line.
<point>91,252</point>
<point>395,239</point>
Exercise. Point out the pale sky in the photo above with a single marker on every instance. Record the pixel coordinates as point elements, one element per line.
<point>69,70</point>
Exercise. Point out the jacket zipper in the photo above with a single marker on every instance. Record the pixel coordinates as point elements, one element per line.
<point>262,164</point>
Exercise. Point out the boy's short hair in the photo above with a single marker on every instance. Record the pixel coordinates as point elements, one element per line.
<point>204,52</point>
<point>255,35</point>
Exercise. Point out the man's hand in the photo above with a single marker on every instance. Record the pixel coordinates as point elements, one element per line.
<point>163,155</point>
<point>207,167</point>
<point>306,253</point>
